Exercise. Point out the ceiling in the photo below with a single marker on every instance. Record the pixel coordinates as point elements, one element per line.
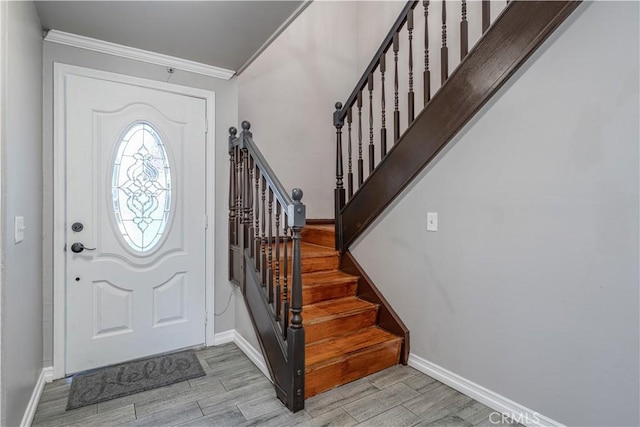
<point>225,34</point>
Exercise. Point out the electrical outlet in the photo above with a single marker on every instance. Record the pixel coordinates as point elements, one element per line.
<point>432,221</point>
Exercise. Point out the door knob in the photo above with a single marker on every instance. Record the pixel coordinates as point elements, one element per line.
<point>76,248</point>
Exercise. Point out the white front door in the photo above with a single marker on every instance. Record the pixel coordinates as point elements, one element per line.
<point>135,221</point>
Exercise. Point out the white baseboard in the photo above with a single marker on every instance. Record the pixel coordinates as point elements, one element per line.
<point>250,351</point>
<point>224,337</point>
<point>513,410</point>
<point>46,376</point>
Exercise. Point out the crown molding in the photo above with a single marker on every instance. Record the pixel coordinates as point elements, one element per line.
<point>109,48</point>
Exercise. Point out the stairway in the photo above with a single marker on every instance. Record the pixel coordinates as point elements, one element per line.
<point>343,341</point>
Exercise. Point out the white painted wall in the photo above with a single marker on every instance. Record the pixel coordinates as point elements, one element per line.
<point>21,195</point>
<point>226,116</point>
<point>530,286</point>
<point>288,94</point>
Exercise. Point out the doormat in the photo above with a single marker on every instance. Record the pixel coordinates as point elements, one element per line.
<point>132,377</point>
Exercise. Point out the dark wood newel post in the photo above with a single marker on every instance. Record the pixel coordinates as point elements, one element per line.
<point>295,334</point>
<point>339,194</point>
<point>233,226</point>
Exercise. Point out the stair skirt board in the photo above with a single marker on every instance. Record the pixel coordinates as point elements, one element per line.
<point>515,411</point>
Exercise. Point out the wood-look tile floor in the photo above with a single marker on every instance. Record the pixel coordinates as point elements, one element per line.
<point>235,393</point>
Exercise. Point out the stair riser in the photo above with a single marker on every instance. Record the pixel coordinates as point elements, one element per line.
<point>315,294</point>
<point>311,265</point>
<point>339,326</point>
<point>319,237</point>
<point>350,369</point>
<point>329,291</point>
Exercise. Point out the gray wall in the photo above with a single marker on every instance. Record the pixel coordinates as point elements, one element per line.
<point>530,286</point>
<point>21,195</point>
<point>226,115</point>
<point>288,94</point>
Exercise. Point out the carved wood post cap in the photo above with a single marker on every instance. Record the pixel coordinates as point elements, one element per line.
<point>338,121</point>
<point>297,212</point>
<point>232,137</point>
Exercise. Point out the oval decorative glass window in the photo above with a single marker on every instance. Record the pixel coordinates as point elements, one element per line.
<point>141,187</point>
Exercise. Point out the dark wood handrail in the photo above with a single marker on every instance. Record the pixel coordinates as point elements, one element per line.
<point>246,141</point>
<point>386,43</point>
<point>491,62</point>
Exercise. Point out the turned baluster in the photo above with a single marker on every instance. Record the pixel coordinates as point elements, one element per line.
<point>256,225</point>
<point>360,162</point>
<point>426,76</point>
<point>263,241</point>
<point>396,111</point>
<point>277,270</point>
<point>372,162</point>
<point>285,287</point>
<point>238,190</point>
<point>411,113</point>
<point>464,32</point>
<point>383,130</point>
<point>444,50</point>
<point>350,165</point>
<point>247,202</point>
<point>270,243</point>
<point>249,220</point>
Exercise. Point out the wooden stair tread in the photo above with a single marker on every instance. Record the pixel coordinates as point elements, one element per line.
<point>312,250</point>
<point>335,349</point>
<point>331,309</point>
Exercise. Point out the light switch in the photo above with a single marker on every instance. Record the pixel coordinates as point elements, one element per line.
<point>19,229</point>
<point>432,221</point>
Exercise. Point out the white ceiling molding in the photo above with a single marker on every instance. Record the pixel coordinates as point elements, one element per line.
<point>109,48</point>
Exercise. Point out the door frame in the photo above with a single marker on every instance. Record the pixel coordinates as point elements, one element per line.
<point>60,71</point>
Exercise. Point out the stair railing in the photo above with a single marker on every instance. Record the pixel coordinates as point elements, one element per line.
<point>372,92</point>
<point>264,240</point>
<point>488,55</point>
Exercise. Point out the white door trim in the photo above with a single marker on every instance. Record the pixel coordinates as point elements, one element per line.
<point>60,71</point>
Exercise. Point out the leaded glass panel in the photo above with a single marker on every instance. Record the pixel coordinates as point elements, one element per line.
<point>141,187</point>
